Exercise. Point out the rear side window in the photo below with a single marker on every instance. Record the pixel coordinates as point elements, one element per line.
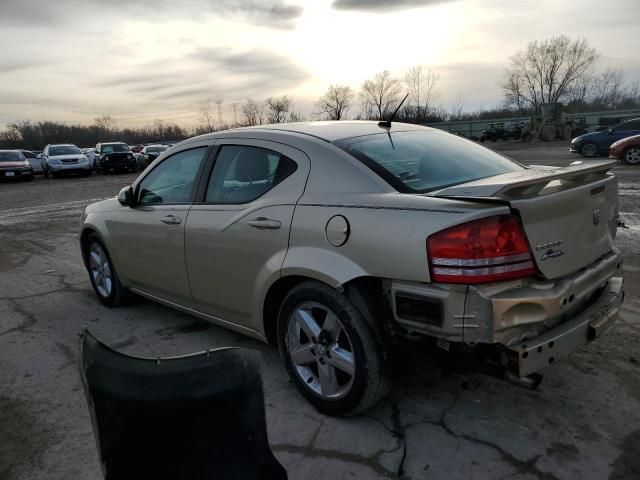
<point>242,174</point>
<point>426,160</point>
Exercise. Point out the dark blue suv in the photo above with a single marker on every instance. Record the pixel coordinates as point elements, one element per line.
<point>598,143</point>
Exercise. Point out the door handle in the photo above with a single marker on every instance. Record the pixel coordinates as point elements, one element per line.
<point>171,220</point>
<point>264,223</point>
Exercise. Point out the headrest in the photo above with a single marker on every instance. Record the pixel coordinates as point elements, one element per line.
<point>252,165</point>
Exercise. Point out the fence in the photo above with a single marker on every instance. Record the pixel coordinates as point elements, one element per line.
<point>474,128</point>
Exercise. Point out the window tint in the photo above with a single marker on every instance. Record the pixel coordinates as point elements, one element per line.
<point>241,174</point>
<point>173,180</point>
<point>421,161</point>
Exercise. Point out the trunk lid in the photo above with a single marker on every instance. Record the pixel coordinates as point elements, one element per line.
<point>570,214</point>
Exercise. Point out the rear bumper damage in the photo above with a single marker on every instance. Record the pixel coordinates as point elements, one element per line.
<point>529,323</point>
<point>532,355</point>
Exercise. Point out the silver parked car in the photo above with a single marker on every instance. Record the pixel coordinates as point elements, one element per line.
<point>63,159</point>
<point>34,160</point>
<point>333,240</point>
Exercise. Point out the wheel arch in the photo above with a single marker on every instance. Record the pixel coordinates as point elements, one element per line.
<point>364,292</point>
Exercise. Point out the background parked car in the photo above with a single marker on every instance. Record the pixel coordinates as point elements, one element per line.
<point>149,153</point>
<point>598,143</point>
<point>627,150</point>
<point>90,153</point>
<point>64,158</point>
<point>34,159</point>
<point>13,165</point>
<point>115,156</point>
<point>136,148</point>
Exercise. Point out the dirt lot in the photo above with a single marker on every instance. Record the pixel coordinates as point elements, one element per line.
<point>582,423</point>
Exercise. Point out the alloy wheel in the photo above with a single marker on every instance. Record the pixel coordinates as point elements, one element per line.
<point>321,351</point>
<point>632,156</point>
<point>100,270</point>
<point>589,150</point>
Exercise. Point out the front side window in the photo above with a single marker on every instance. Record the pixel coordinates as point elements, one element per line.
<point>242,174</point>
<point>425,160</point>
<point>173,180</point>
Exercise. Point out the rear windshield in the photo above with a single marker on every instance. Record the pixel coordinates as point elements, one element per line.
<point>116,147</point>
<point>426,160</point>
<point>64,150</point>
<point>9,157</point>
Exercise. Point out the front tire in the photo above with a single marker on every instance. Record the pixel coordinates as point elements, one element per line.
<point>589,150</point>
<point>102,273</point>
<point>631,156</point>
<point>330,350</point>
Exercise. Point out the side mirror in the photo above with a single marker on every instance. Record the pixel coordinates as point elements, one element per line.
<point>125,197</point>
<point>40,155</point>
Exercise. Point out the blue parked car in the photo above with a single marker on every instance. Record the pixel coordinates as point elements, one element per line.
<point>597,143</point>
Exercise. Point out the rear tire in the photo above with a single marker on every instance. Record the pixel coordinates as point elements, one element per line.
<point>631,156</point>
<point>339,365</point>
<point>102,272</point>
<point>589,150</point>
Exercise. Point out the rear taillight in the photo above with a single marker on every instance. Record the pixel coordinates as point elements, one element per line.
<point>487,250</point>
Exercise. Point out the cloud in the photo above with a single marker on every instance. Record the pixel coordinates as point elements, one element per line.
<point>265,13</point>
<point>209,72</point>
<point>379,6</point>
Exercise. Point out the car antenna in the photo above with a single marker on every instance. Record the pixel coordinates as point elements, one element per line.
<point>387,123</point>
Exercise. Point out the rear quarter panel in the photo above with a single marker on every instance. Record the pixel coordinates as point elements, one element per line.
<point>387,235</point>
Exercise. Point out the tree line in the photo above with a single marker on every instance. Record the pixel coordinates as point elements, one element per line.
<point>557,69</point>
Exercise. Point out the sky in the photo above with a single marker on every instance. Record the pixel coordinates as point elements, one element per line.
<point>140,60</point>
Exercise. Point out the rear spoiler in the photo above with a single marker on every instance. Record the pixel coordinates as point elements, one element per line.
<point>529,182</point>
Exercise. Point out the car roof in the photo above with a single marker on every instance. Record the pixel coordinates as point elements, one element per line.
<point>62,145</point>
<point>329,131</point>
<point>112,143</point>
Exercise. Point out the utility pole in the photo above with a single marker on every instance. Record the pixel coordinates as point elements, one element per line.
<point>219,104</point>
<point>235,106</point>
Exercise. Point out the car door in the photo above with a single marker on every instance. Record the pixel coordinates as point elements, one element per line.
<point>237,234</point>
<point>149,237</point>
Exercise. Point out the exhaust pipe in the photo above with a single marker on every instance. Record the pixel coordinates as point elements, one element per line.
<point>529,382</point>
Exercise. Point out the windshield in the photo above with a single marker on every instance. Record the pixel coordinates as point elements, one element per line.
<point>426,160</point>
<point>9,157</point>
<point>64,150</point>
<point>116,147</point>
<point>156,149</point>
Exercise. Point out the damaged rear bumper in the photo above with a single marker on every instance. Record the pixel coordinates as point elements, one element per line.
<point>532,355</point>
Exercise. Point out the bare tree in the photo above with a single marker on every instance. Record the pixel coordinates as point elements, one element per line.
<point>380,95</point>
<point>545,71</point>
<point>422,86</point>
<point>457,109</point>
<point>207,118</point>
<point>609,88</point>
<point>105,123</point>
<point>253,112</point>
<point>582,89</point>
<point>296,117</point>
<point>278,109</point>
<point>335,103</point>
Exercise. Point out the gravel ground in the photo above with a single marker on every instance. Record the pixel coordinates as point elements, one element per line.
<point>582,422</point>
